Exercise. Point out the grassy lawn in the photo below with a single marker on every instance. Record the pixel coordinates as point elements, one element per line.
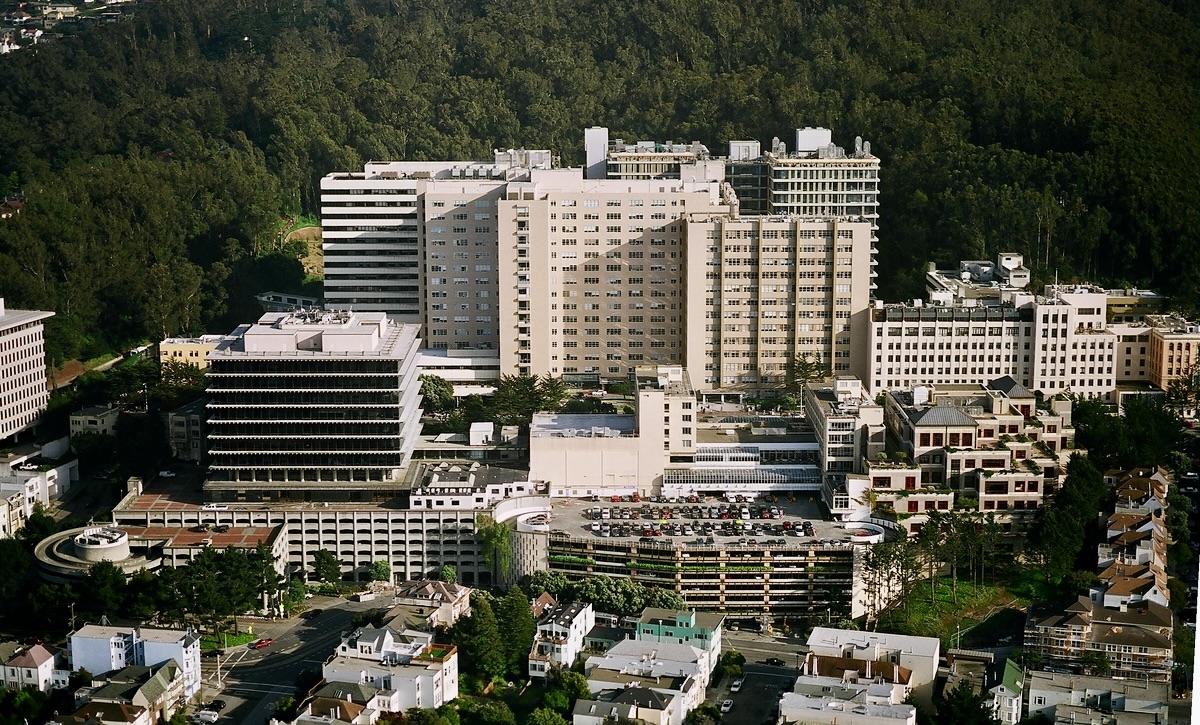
<point>305,220</point>
<point>226,640</point>
<point>97,361</point>
<point>986,613</point>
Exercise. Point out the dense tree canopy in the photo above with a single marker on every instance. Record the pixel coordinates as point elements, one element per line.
<point>160,157</point>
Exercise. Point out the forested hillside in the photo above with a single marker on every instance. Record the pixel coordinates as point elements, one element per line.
<point>159,156</point>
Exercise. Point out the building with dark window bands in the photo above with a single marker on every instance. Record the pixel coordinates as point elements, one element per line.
<point>313,401</point>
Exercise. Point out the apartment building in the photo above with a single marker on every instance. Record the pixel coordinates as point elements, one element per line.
<point>918,655</point>
<point>987,448</point>
<point>1136,638</point>
<point>23,392</point>
<point>1068,698</point>
<point>185,431</point>
<point>100,649</point>
<point>191,351</point>
<point>313,400</point>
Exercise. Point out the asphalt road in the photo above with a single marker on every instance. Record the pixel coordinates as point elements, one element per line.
<point>760,647</point>
<point>250,680</point>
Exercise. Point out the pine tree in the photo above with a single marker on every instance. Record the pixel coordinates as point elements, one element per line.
<point>516,617</point>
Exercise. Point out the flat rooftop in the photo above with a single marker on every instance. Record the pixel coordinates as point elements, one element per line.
<point>730,435</point>
<point>582,425</point>
<point>573,517</point>
<point>241,537</point>
<point>15,318</point>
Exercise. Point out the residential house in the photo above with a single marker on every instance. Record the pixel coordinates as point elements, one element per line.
<point>106,713</point>
<point>408,666</point>
<point>602,712</point>
<point>447,600</point>
<point>1007,693</point>
<point>340,702</point>
<point>157,691</point>
<point>635,704</point>
<point>33,668</point>
<point>541,604</point>
<point>1139,489</point>
<point>100,419</point>
<point>602,637</point>
<point>384,644</point>
<point>559,638</point>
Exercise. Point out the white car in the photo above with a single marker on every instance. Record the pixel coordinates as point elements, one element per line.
<point>166,474</point>
<point>726,706</point>
<point>737,684</point>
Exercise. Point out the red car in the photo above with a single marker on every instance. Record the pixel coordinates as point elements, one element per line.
<point>262,643</point>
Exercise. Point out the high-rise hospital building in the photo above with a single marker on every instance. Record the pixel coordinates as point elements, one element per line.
<point>647,255</point>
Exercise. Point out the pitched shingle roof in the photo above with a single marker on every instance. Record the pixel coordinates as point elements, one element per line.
<point>941,415</point>
<point>34,657</point>
<point>1010,387</point>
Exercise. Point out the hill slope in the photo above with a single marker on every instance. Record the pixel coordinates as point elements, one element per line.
<point>158,155</point>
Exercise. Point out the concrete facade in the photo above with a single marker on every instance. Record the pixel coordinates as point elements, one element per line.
<point>23,391</point>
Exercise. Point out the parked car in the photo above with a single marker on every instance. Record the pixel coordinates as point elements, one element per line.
<point>215,705</point>
<point>737,684</point>
<point>726,706</point>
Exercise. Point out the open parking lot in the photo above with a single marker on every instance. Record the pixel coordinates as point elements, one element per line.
<point>757,701</point>
<point>704,520</point>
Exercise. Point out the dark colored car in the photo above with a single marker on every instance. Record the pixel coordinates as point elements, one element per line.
<point>215,705</point>
<point>775,662</point>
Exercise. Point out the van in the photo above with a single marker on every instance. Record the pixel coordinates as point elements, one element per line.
<point>207,716</point>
